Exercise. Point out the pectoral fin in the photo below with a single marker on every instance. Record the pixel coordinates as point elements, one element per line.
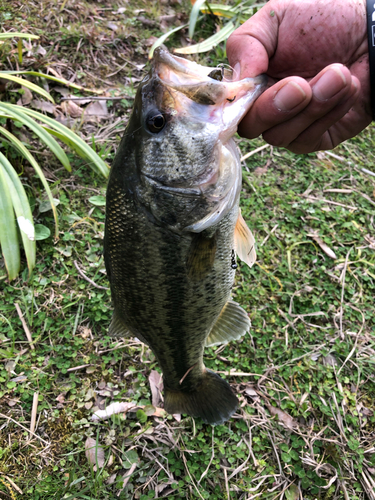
<point>244,242</point>
<point>201,256</point>
<point>232,323</point>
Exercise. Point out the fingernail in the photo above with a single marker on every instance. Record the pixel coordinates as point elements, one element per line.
<point>289,96</point>
<point>329,84</point>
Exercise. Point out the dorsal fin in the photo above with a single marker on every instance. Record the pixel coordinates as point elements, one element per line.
<point>244,242</point>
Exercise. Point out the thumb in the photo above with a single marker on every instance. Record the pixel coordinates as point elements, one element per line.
<point>250,46</point>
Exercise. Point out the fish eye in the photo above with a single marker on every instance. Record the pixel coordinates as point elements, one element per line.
<point>155,122</point>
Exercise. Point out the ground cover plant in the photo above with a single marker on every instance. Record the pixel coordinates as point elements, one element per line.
<point>305,374</point>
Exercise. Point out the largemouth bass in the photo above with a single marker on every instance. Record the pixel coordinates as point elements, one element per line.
<point>173,226</point>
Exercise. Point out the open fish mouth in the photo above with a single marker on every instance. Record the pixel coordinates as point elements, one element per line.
<point>228,100</point>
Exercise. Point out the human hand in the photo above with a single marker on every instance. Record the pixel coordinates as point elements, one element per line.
<point>317,52</point>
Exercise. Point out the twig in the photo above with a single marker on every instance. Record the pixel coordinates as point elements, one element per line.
<point>191,479</point>
<point>24,428</point>
<point>212,457</point>
<point>88,279</point>
<point>13,485</point>
<point>33,413</point>
<point>186,374</point>
<point>226,483</point>
<point>368,171</point>
<point>349,207</point>
<point>255,151</point>
<point>25,327</point>
<point>127,477</point>
<point>268,235</point>
<point>343,274</point>
<point>76,368</point>
<point>96,98</point>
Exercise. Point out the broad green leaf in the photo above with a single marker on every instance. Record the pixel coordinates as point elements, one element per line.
<point>45,206</point>
<point>69,137</point>
<point>29,85</point>
<point>130,457</point>
<point>42,232</point>
<point>23,212</point>
<point>3,36</point>
<point>162,39</point>
<point>99,200</point>
<point>194,16</point>
<point>211,42</point>
<point>18,113</point>
<point>29,157</point>
<point>8,230</point>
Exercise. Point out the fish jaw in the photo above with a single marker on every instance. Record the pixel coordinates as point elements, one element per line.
<point>190,172</point>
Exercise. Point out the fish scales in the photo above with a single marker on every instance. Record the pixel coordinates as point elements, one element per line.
<point>170,233</point>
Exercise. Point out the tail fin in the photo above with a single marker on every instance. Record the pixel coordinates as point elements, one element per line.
<point>214,401</point>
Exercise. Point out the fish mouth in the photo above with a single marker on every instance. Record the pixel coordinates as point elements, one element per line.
<point>227,99</point>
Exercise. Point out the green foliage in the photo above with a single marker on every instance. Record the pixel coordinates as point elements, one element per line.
<point>22,229</point>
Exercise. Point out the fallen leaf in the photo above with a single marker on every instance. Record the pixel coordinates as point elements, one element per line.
<point>72,109</point>
<point>61,398</point>
<point>328,251</point>
<point>45,106</point>
<point>40,50</point>
<point>98,109</point>
<point>156,386</point>
<point>94,452</point>
<point>62,90</point>
<point>283,417</point>
<point>27,96</point>
<point>112,409</point>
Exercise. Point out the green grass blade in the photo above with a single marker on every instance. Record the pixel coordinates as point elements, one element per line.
<point>162,39</point>
<point>27,84</point>
<point>21,207</point>
<point>29,157</point>
<point>18,114</point>
<point>62,81</point>
<point>8,230</point>
<point>211,42</point>
<point>3,36</point>
<point>194,16</point>
<point>86,150</point>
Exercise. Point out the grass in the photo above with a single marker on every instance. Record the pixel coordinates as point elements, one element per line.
<point>304,375</point>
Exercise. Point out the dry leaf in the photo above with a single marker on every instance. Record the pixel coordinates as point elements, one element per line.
<point>112,26</point>
<point>45,106</point>
<point>97,108</point>
<point>283,417</point>
<point>156,386</point>
<point>27,96</point>
<point>40,50</point>
<point>94,452</point>
<point>62,90</point>
<point>70,108</point>
<point>112,409</point>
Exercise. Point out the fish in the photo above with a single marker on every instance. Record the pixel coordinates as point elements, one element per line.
<point>173,227</point>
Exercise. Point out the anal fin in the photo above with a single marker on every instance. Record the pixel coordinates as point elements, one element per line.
<point>232,323</point>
